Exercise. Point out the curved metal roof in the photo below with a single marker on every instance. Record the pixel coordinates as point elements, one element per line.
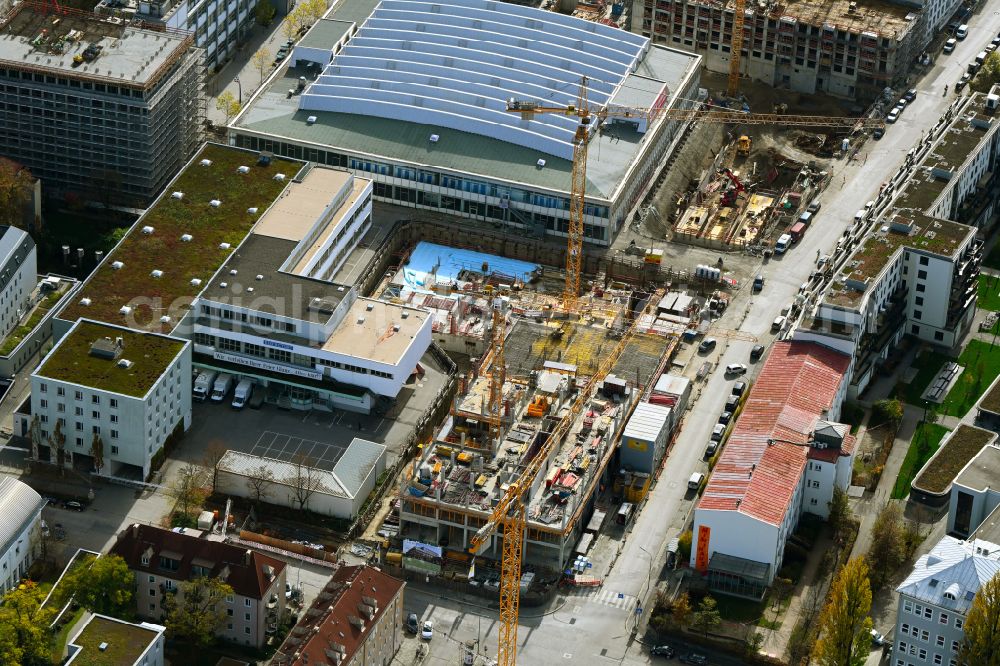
<point>18,505</point>
<point>456,63</point>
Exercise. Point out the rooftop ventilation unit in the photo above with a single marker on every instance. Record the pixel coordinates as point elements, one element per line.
<point>252,211</point>
<point>224,246</point>
<point>125,310</point>
<point>147,230</point>
<point>395,328</point>
<point>244,169</point>
<point>85,301</point>
<point>205,163</point>
<point>214,203</point>
<point>117,265</point>
<point>233,271</point>
<point>250,290</point>
<point>361,320</point>
<point>103,646</point>
<point>223,284</point>
<point>195,282</point>
<point>310,120</point>
<point>369,307</point>
<point>280,177</point>
<point>187,238</point>
<point>404,315</point>
<point>540,163</point>
<point>435,138</point>
<point>165,319</point>
<point>156,273</point>
<point>259,278</point>
<point>177,195</point>
<point>125,363</point>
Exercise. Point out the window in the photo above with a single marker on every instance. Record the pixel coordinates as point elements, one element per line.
<point>938,335</point>
<point>246,616</point>
<point>114,435</point>
<point>908,607</point>
<point>921,275</point>
<point>921,287</point>
<point>943,619</point>
<point>79,442</point>
<point>145,559</point>
<point>923,261</point>
<point>902,647</point>
<point>44,387</point>
<point>937,659</point>
<point>152,579</point>
<point>61,408</point>
<point>229,598</point>
<point>959,623</point>
<point>924,636</point>
<point>152,607</point>
<point>928,612</point>
<point>78,411</point>
<point>940,640</point>
<point>60,391</point>
<point>915,329</point>
<point>114,418</point>
<point>225,344</point>
<point>96,430</point>
<point>96,399</point>
<point>94,414</point>
<point>229,612</point>
<point>114,449</point>
<point>79,426</point>
<point>905,629</point>
<point>114,403</point>
<point>152,593</point>
<point>917,314</point>
<point>169,564</point>
<point>954,646</point>
<point>246,602</point>
<point>919,300</point>
<point>922,653</point>
<point>246,630</point>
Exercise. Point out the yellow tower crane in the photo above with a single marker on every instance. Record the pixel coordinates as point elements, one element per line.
<point>736,48</point>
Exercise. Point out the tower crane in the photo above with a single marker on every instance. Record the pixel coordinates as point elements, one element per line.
<point>510,515</point>
<point>590,117</point>
<point>736,48</point>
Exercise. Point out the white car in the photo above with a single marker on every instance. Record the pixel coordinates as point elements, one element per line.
<point>427,631</point>
<point>893,115</point>
<point>736,369</point>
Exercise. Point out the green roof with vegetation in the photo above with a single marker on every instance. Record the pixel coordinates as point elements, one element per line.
<point>963,444</point>
<point>16,336</point>
<point>125,643</point>
<point>71,360</point>
<point>182,261</point>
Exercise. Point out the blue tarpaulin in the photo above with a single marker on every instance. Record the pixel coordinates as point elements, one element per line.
<point>430,263</point>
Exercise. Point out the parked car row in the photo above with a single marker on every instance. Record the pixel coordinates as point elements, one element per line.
<point>215,386</point>
<point>719,430</point>
<point>903,102</point>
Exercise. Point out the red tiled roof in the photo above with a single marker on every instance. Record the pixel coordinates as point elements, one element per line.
<point>795,389</point>
<point>249,575</point>
<point>350,588</point>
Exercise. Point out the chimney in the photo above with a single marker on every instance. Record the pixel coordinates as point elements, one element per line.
<point>135,530</point>
<point>247,556</point>
<point>356,621</point>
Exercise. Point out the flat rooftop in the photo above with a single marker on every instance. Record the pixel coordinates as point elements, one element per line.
<point>71,359</point>
<point>326,32</point>
<point>125,642</point>
<point>129,56</point>
<point>982,471</point>
<point>168,248</point>
<point>910,229</point>
<point>463,148</point>
<point>884,18</point>
<point>376,331</point>
<point>958,448</point>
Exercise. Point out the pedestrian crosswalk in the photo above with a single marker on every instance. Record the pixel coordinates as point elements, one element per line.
<point>603,596</point>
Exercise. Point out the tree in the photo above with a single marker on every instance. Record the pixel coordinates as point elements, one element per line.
<point>844,625</point>
<point>887,549</point>
<point>264,12</point>
<point>988,75</point>
<point>312,10</point>
<point>15,191</point>
<point>680,610</point>
<point>196,612</point>
<point>105,587</point>
<point>292,23</point>
<point>840,512</point>
<point>888,411</point>
<point>259,480</point>
<point>36,436</point>
<point>754,642</point>
<point>707,616</point>
<point>262,61</point>
<point>97,452</point>
<point>212,459</point>
<point>304,481</point>
<point>228,104</point>
<point>981,644</point>
<point>24,626</point>
<point>58,442</point>
<point>684,545</point>
<point>189,488</point>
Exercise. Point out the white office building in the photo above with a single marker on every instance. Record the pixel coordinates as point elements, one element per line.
<point>131,643</point>
<point>18,275</point>
<point>935,598</point>
<point>20,530</point>
<point>131,389</point>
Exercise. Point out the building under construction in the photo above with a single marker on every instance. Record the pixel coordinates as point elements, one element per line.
<point>846,48</point>
<point>450,490</point>
<point>99,109</point>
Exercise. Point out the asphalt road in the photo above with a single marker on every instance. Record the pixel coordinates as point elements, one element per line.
<point>588,628</point>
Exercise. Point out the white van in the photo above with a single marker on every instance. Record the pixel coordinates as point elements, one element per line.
<point>695,481</point>
<point>203,385</point>
<point>784,241</point>
<point>860,215</point>
<point>221,387</point>
<point>242,393</point>
<point>962,32</point>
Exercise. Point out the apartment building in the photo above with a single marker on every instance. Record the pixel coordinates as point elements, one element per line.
<point>974,499</point>
<point>785,456</point>
<point>915,273</point>
<point>219,26</point>
<point>356,620</point>
<point>128,388</point>
<point>97,108</point>
<point>108,641</point>
<point>839,47</point>
<point>162,559</point>
<point>18,276</point>
<point>935,598</point>
<point>20,530</point>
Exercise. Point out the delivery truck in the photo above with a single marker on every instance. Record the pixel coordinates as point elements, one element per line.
<point>242,394</point>
<point>221,387</point>
<point>203,385</point>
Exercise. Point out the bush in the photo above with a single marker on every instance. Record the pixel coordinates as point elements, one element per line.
<point>684,545</point>
<point>795,553</point>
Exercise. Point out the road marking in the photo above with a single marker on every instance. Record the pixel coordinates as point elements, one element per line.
<point>605,597</point>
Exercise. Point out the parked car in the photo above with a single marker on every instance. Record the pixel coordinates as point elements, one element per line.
<point>412,623</point>
<point>736,369</point>
<point>739,388</point>
<point>962,81</point>
<point>732,402</point>
<point>663,651</point>
<point>695,658</point>
<point>758,283</point>
<point>950,45</point>
<point>725,418</point>
<point>711,449</point>
<point>910,94</point>
<point>778,322</point>
<point>893,115</point>
<point>718,431</point>
<point>878,640</point>
<point>756,352</point>
<point>878,132</point>
<point>427,631</point>
<point>73,506</point>
<point>707,345</point>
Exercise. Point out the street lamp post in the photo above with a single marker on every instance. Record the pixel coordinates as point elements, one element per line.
<point>240,85</point>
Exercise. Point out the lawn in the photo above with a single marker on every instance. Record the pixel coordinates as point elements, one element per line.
<point>739,610</point>
<point>15,337</point>
<point>926,440</point>
<point>981,363</point>
<point>989,293</point>
<point>961,446</point>
<point>929,363</point>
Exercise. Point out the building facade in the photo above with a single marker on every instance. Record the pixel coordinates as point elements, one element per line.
<point>113,127</point>
<point>130,643</point>
<point>829,46</point>
<point>935,598</point>
<point>162,559</point>
<point>18,275</point>
<point>973,495</point>
<point>20,530</point>
<point>129,389</point>
<point>356,620</point>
